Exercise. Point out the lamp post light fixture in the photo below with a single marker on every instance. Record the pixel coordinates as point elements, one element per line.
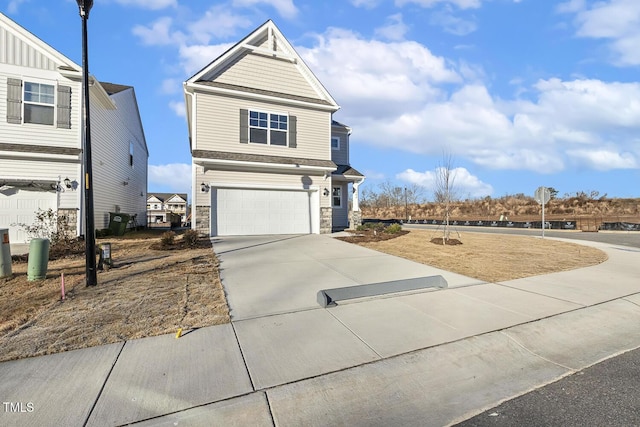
<point>84,7</point>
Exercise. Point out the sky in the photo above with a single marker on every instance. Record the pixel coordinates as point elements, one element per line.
<point>518,93</point>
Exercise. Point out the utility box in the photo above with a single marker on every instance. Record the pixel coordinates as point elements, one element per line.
<point>38,259</point>
<point>5,253</point>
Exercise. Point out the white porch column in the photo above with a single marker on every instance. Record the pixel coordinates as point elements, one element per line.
<point>356,203</point>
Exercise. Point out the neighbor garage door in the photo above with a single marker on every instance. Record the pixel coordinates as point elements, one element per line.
<point>21,208</point>
<point>251,212</point>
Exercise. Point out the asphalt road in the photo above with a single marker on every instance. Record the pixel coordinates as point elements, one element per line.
<point>606,394</point>
<point>622,238</point>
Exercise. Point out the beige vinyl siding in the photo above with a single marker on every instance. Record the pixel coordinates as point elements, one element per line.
<point>260,180</point>
<point>16,51</point>
<point>112,130</point>
<point>277,75</point>
<point>44,135</point>
<point>218,128</point>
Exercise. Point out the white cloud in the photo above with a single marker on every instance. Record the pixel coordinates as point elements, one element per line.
<point>175,176</point>
<point>374,76</point>
<point>13,5</point>
<point>452,24</point>
<point>149,4</point>
<point>462,4</point>
<point>159,33</point>
<point>604,160</point>
<point>194,58</point>
<point>178,108</point>
<point>614,20</point>
<point>285,8</point>
<point>367,4</point>
<point>463,182</point>
<point>219,21</point>
<point>395,28</point>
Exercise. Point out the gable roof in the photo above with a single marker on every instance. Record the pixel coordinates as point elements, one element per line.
<point>38,51</point>
<point>112,88</point>
<point>265,41</point>
<point>166,196</point>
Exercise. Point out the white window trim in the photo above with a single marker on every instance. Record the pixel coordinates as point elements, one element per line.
<point>336,138</point>
<point>333,197</point>
<point>54,105</point>
<point>268,128</point>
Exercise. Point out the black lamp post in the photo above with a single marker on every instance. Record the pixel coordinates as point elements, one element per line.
<point>89,234</point>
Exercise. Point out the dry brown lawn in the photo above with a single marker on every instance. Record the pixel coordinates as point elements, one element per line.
<point>148,292</point>
<point>491,257</point>
<point>152,292</point>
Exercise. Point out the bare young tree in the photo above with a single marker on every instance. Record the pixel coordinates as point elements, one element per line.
<point>444,191</point>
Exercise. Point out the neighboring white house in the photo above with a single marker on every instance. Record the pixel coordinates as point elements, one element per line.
<point>267,156</point>
<point>41,133</point>
<point>161,204</point>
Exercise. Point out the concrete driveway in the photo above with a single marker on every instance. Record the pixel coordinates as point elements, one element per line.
<point>265,275</point>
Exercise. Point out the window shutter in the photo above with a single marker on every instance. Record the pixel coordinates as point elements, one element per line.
<point>244,126</point>
<point>14,101</point>
<point>64,107</point>
<point>293,126</point>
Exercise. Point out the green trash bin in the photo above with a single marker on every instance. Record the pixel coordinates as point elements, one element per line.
<point>118,223</point>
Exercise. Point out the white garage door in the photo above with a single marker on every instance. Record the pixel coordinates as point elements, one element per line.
<point>252,212</point>
<point>21,208</point>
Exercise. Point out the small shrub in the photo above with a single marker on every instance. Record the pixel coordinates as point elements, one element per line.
<point>376,226</point>
<point>167,239</point>
<point>393,229</point>
<point>105,232</point>
<point>190,238</point>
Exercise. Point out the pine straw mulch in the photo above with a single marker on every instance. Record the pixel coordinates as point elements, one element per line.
<point>147,292</point>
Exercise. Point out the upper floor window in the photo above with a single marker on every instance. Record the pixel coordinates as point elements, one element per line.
<point>335,143</point>
<point>38,103</point>
<point>130,153</point>
<point>268,128</point>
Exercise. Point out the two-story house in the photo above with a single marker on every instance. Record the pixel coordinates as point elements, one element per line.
<point>267,156</point>
<point>161,204</point>
<point>41,133</point>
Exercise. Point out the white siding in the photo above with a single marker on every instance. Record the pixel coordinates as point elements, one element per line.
<point>218,128</point>
<point>111,131</point>
<point>276,75</point>
<point>44,135</point>
<point>16,51</point>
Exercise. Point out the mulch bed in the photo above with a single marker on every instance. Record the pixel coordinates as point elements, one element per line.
<point>442,241</point>
<point>367,236</point>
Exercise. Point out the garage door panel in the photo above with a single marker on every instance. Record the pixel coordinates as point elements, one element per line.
<point>249,211</point>
<point>21,208</point>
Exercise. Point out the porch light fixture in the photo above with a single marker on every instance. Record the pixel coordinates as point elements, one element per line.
<point>204,187</point>
<point>325,192</point>
<point>84,7</point>
<point>67,182</point>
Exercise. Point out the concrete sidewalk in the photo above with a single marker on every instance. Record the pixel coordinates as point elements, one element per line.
<point>427,358</point>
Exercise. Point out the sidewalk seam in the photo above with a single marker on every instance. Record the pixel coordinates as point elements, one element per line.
<point>355,335</point>
<point>519,344</point>
<point>104,384</point>
<point>244,359</point>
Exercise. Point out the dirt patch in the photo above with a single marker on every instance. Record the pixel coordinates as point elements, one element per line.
<point>491,258</point>
<point>443,241</point>
<point>147,292</point>
<point>368,236</point>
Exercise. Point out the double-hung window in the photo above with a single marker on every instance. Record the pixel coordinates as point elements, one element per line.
<point>39,106</point>
<point>336,195</point>
<point>268,128</point>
